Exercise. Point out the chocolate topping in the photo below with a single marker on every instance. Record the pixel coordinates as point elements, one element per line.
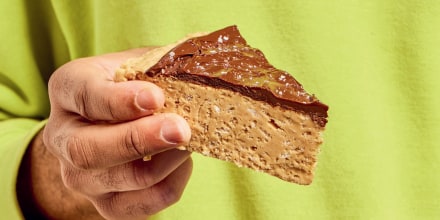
<point>223,59</point>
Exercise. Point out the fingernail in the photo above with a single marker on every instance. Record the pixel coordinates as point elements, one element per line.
<point>173,132</point>
<point>146,99</point>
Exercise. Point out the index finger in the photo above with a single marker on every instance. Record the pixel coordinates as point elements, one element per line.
<point>86,87</point>
<point>106,145</point>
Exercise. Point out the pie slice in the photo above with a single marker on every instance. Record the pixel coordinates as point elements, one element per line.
<point>240,108</point>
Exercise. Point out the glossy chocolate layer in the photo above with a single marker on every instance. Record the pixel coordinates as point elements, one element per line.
<point>223,59</point>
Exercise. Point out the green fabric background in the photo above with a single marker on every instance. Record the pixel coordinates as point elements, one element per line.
<point>375,63</point>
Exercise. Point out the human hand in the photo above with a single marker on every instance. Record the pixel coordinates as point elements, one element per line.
<point>100,130</point>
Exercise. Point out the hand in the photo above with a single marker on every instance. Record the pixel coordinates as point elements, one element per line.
<point>100,130</point>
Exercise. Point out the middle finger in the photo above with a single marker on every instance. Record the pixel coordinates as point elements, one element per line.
<point>131,176</point>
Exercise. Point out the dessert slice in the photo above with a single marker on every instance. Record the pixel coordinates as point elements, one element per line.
<point>240,108</point>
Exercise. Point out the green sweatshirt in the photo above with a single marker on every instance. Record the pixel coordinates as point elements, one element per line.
<point>376,64</point>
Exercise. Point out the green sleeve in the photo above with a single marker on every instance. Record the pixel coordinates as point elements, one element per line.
<point>15,136</point>
<point>27,58</point>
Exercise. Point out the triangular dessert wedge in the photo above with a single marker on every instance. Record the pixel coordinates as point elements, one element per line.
<point>240,108</point>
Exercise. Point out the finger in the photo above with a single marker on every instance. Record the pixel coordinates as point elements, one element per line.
<point>131,176</point>
<point>105,145</point>
<point>86,87</point>
<point>146,202</point>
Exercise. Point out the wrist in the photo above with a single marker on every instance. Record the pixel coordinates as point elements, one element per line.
<point>24,187</point>
<point>40,189</point>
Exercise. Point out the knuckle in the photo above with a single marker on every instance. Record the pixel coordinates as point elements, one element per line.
<point>63,84</point>
<point>70,178</point>
<point>77,152</point>
<point>52,141</point>
<point>82,100</point>
<point>110,206</point>
<point>115,206</point>
<point>134,144</point>
<point>60,83</point>
<point>102,206</point>
<point>144,177</point>
<point>110,180</point>
<point>53,84</point>
<point>55,80</point>
<point>168,195</point>
<point>55,138</point>
<point>144,208</point>
<point>109,107</point>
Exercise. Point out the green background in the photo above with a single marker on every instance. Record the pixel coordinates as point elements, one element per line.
<point>375,63</point>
